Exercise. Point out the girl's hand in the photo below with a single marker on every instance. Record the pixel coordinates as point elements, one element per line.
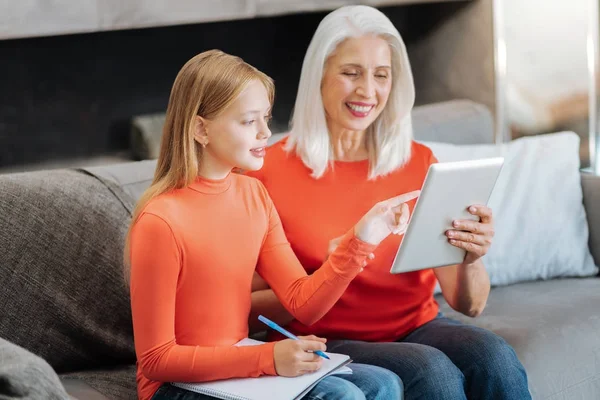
<point>296,357</point>
<point>388,216</point>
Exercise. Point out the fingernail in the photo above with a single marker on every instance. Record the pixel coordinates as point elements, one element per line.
<point>455,223</point>
<point>452,241</point>
<point>473,209</point>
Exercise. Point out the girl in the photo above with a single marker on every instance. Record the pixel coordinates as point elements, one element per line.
<point>200,231</point>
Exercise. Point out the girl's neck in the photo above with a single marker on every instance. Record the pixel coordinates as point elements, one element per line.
<point>212,169</point>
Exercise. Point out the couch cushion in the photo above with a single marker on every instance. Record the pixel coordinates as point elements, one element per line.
<point>79,390</point>
<point>456,122</point>
<point>554,326</point>
<point>114,383</point>
<point>63,292</point>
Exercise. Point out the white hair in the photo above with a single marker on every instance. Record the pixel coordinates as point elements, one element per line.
<point>389,137</point>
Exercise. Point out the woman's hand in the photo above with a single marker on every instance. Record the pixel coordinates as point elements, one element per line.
<point>296,357</point>
<point>473,236</point>
<point>388,216</point>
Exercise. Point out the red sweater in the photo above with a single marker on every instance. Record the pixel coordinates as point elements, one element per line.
<point>377,306</point>
<point>193,253</point>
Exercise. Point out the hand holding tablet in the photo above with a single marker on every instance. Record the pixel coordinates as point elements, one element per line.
<point>448,192</point>
<point>472,236</point>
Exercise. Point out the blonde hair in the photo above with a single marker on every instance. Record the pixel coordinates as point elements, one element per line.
<point>205,86</point>
<point>389,136</point>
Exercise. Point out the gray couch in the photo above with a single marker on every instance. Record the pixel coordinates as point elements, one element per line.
<point>64,299</point>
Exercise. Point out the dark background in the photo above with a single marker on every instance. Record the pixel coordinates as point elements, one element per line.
<point>73,96</point>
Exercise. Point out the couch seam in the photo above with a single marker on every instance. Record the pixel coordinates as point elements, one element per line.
<point>112,187</point>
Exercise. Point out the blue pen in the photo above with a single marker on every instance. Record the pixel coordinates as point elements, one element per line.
<point>279,329</point>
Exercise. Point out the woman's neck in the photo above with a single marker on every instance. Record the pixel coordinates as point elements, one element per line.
<point>348,145</point>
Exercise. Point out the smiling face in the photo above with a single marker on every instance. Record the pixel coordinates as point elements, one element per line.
<point>238,136</point>
<point>356,84</point>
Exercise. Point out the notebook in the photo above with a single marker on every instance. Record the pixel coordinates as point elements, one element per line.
<point>268,386</point>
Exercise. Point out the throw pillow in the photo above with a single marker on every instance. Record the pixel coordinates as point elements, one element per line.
<point>24,375</point>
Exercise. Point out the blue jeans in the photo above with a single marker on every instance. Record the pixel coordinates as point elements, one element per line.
<point>446,359</point>
<point>366,382</point>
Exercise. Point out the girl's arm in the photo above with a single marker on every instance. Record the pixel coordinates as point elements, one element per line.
<point>155,266</point>
<point>308,298</point>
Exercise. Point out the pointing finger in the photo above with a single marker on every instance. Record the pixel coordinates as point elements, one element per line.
<point>404,216</point>
<point>403,198</point>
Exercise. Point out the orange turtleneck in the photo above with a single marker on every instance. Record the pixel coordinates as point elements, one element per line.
<point>193,253</point>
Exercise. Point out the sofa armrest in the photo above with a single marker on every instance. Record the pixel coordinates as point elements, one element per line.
<point>591,200</point>
<point>133,178</point>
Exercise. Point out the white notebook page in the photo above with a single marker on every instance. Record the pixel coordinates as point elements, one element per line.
<point>267,386</point>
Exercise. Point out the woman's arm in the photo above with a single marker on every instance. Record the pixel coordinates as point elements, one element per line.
<point>155,267</point>
<point>466,286</point>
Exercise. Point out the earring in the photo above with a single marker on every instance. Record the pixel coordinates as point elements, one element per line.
<point>205,138</point>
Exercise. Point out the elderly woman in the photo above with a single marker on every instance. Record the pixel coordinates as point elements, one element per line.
<point>350,147</point>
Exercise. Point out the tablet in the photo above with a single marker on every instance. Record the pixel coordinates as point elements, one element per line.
<point>449,189</point>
